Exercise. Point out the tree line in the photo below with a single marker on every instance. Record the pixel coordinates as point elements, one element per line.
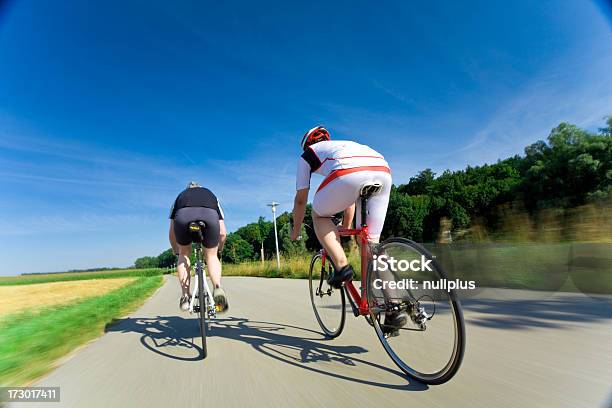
<point>571,168</point>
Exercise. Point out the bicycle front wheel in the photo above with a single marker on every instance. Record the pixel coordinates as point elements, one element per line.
<point>328,303</point>
<point>430,346</point>
<point>202,308</point>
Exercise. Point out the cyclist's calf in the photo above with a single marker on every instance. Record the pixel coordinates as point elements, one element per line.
<point>327,233</point>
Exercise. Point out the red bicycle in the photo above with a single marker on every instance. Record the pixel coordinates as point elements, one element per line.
<point>431,345</point>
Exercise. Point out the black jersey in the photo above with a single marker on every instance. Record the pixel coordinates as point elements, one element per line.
<point>196,197</point>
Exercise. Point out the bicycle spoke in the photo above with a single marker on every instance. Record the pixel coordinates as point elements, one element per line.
<point>328,304</point>
<point>430,344</point>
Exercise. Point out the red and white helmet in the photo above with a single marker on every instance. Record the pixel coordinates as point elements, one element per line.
<point>314,135</point>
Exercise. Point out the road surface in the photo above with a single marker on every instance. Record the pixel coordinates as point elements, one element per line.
<point>524,349</point>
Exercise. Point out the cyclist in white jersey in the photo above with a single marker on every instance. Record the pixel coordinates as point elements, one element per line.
<point>346,166</point>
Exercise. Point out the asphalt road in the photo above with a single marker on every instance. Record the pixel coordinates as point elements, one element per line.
<point>524,349</point>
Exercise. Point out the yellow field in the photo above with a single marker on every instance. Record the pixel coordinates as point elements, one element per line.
<point>22,297</point>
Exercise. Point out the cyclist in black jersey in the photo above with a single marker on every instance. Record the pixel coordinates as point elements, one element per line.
<point>197,203</point>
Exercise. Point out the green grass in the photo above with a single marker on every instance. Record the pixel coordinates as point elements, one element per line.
<point>31,342</point>
<point>291,268</point>
<point>296,267</point>
<point>72,276</point>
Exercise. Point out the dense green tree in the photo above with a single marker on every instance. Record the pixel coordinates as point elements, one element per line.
<point>419,184</point>
<point>405,215</point>
<point>568,170</point>
<point>166,259</point>
<point>237,249</point>
<point>255,234</point>
<point>146,262</point>
<point>250,233</point>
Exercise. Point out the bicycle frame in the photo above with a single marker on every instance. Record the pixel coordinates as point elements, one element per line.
<point>200,266</point>
<point>359,299</point>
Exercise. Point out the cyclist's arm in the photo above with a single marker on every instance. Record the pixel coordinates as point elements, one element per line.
<point>299,208</point>
<point>222,234</point>
<point>302,185</point>
<point>172,238</point>
<point>349,214</point>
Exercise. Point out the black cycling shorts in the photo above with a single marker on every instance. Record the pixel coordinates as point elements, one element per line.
<point>186,215</point>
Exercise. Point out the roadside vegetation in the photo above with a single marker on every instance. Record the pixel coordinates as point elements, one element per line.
<point>73,276</point>
<point>19,298</point>
<point>32,341</point>
<point>567,266</point>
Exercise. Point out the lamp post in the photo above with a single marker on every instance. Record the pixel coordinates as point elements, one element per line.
<point>274,205</point>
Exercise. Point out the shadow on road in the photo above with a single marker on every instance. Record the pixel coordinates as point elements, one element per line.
<point>303,352</point>
<point>170,336</point>
<point>533,313</point>
<point>173,336</point>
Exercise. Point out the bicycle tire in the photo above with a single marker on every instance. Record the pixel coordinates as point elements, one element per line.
<point>319,282</point>
<point>452,366</point>
<point>202,296</point>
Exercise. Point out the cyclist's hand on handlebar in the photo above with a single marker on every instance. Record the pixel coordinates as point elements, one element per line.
<point>295,235</point>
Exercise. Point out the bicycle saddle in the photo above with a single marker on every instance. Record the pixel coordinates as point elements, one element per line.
<point>369,189</point>
<point>196,228</point>
<point>196,225</point>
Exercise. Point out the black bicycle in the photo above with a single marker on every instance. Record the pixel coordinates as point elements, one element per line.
<point>201,301</point>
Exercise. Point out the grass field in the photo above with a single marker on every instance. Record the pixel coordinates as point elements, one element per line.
<point>31,343</point>
<point>72,276</point>
<point>294,268</point>
<point>15,299</point>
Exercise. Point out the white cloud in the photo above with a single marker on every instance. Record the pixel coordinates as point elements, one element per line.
<point>581,95</point>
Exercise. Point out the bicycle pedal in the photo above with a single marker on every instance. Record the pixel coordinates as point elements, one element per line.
<point>393,333</point>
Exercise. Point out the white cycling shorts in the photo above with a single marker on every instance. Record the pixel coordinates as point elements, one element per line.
<point>340,191</point>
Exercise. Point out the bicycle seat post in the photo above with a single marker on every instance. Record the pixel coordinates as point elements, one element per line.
<point>364,211</point>
<point>367,190</point>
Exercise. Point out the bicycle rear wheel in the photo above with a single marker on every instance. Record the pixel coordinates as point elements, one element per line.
<point>202,307</point>
<point>328,303</point>
<point>431,345</point>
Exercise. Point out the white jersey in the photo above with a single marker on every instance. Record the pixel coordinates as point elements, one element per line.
<point>330,156</point>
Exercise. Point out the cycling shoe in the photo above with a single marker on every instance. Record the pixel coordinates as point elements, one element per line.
<point>338,277</point>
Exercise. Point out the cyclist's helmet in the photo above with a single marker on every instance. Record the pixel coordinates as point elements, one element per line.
<point>314,135</point>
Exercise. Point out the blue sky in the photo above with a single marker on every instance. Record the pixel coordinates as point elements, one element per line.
<point>107,109</point>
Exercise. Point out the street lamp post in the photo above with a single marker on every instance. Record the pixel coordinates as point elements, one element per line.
<point>274,205</point>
